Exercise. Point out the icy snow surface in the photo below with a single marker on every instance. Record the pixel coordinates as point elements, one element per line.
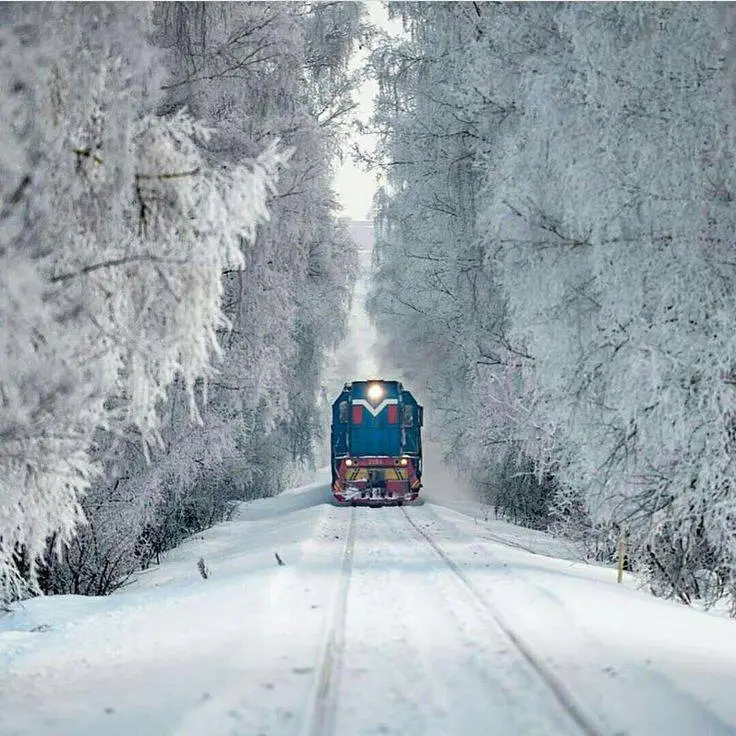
<point>390,640</point>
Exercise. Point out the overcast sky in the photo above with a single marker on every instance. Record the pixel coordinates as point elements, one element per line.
<point>355,188</point>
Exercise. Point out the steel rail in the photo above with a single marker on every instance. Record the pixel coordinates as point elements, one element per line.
<point>320,720</point>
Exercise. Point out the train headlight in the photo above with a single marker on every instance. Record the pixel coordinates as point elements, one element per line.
<point>375,392</point>
<point>403,462</point>
<point>348,462</point>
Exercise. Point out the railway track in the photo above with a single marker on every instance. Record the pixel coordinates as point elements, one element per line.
<point>582,721</point>
<point>320,719</point>
<point>321,715</point>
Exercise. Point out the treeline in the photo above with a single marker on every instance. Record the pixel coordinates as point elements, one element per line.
<point>555,266</point>
<point>172,270</point>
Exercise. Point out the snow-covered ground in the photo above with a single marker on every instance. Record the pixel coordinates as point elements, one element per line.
<point>379,621</point>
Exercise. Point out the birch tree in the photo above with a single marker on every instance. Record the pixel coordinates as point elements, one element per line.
<point>602,155</point>
<point>254,74</point>
<point>115,234</point>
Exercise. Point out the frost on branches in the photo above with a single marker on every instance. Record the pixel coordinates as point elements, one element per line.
<point>254,72</point>
<point>559,222</point>
<point>160,361</point>
<point>114,233</point>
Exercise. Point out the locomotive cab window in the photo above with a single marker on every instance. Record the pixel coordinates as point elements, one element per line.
<point>343,411</point>
<point>408,416</point>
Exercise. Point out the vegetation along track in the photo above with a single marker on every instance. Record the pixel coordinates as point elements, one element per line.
<point>555,685</point>
<point>321,718</point>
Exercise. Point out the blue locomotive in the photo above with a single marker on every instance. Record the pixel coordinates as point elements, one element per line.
<point>376,444</point>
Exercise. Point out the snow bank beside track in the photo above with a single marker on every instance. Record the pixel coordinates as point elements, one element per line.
<point>532,540</point>
<point>287,502</point>
<point>641,665</point>
<point>173,653</point>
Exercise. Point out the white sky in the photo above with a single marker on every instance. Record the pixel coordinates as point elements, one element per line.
<point>354,186</point>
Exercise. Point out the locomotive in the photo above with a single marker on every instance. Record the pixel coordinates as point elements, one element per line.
<point>376,444</point>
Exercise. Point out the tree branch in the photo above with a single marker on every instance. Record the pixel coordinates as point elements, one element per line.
<point>142,258</point>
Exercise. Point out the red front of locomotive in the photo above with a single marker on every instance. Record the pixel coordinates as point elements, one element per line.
<point>376,481</point>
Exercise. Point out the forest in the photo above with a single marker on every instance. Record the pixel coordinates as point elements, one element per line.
<point>173,271</point>
<point>553,268</point>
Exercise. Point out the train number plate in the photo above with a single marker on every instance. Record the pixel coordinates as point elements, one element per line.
<point>374,461</point>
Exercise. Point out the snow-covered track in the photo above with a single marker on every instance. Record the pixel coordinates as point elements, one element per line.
<point>560,691</point>
<point>320,720</point>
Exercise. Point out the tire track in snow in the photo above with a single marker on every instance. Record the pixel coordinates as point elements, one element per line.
<point>586,725</point>
<point>321,717</point>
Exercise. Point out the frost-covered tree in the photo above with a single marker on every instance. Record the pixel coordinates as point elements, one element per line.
<point>254,73</point>
<point>261,71</point>
<point>115,230</point>
<point>434,293</point>
<point>600,148</point>
<point>629,327</point>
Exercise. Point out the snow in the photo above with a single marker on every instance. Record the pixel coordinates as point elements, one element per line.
<point>418,650</point>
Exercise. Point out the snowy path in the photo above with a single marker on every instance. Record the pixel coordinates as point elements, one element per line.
<point>441,654</point>
<point>382,621</point>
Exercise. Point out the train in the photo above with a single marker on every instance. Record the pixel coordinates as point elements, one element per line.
<point>376,444</point>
